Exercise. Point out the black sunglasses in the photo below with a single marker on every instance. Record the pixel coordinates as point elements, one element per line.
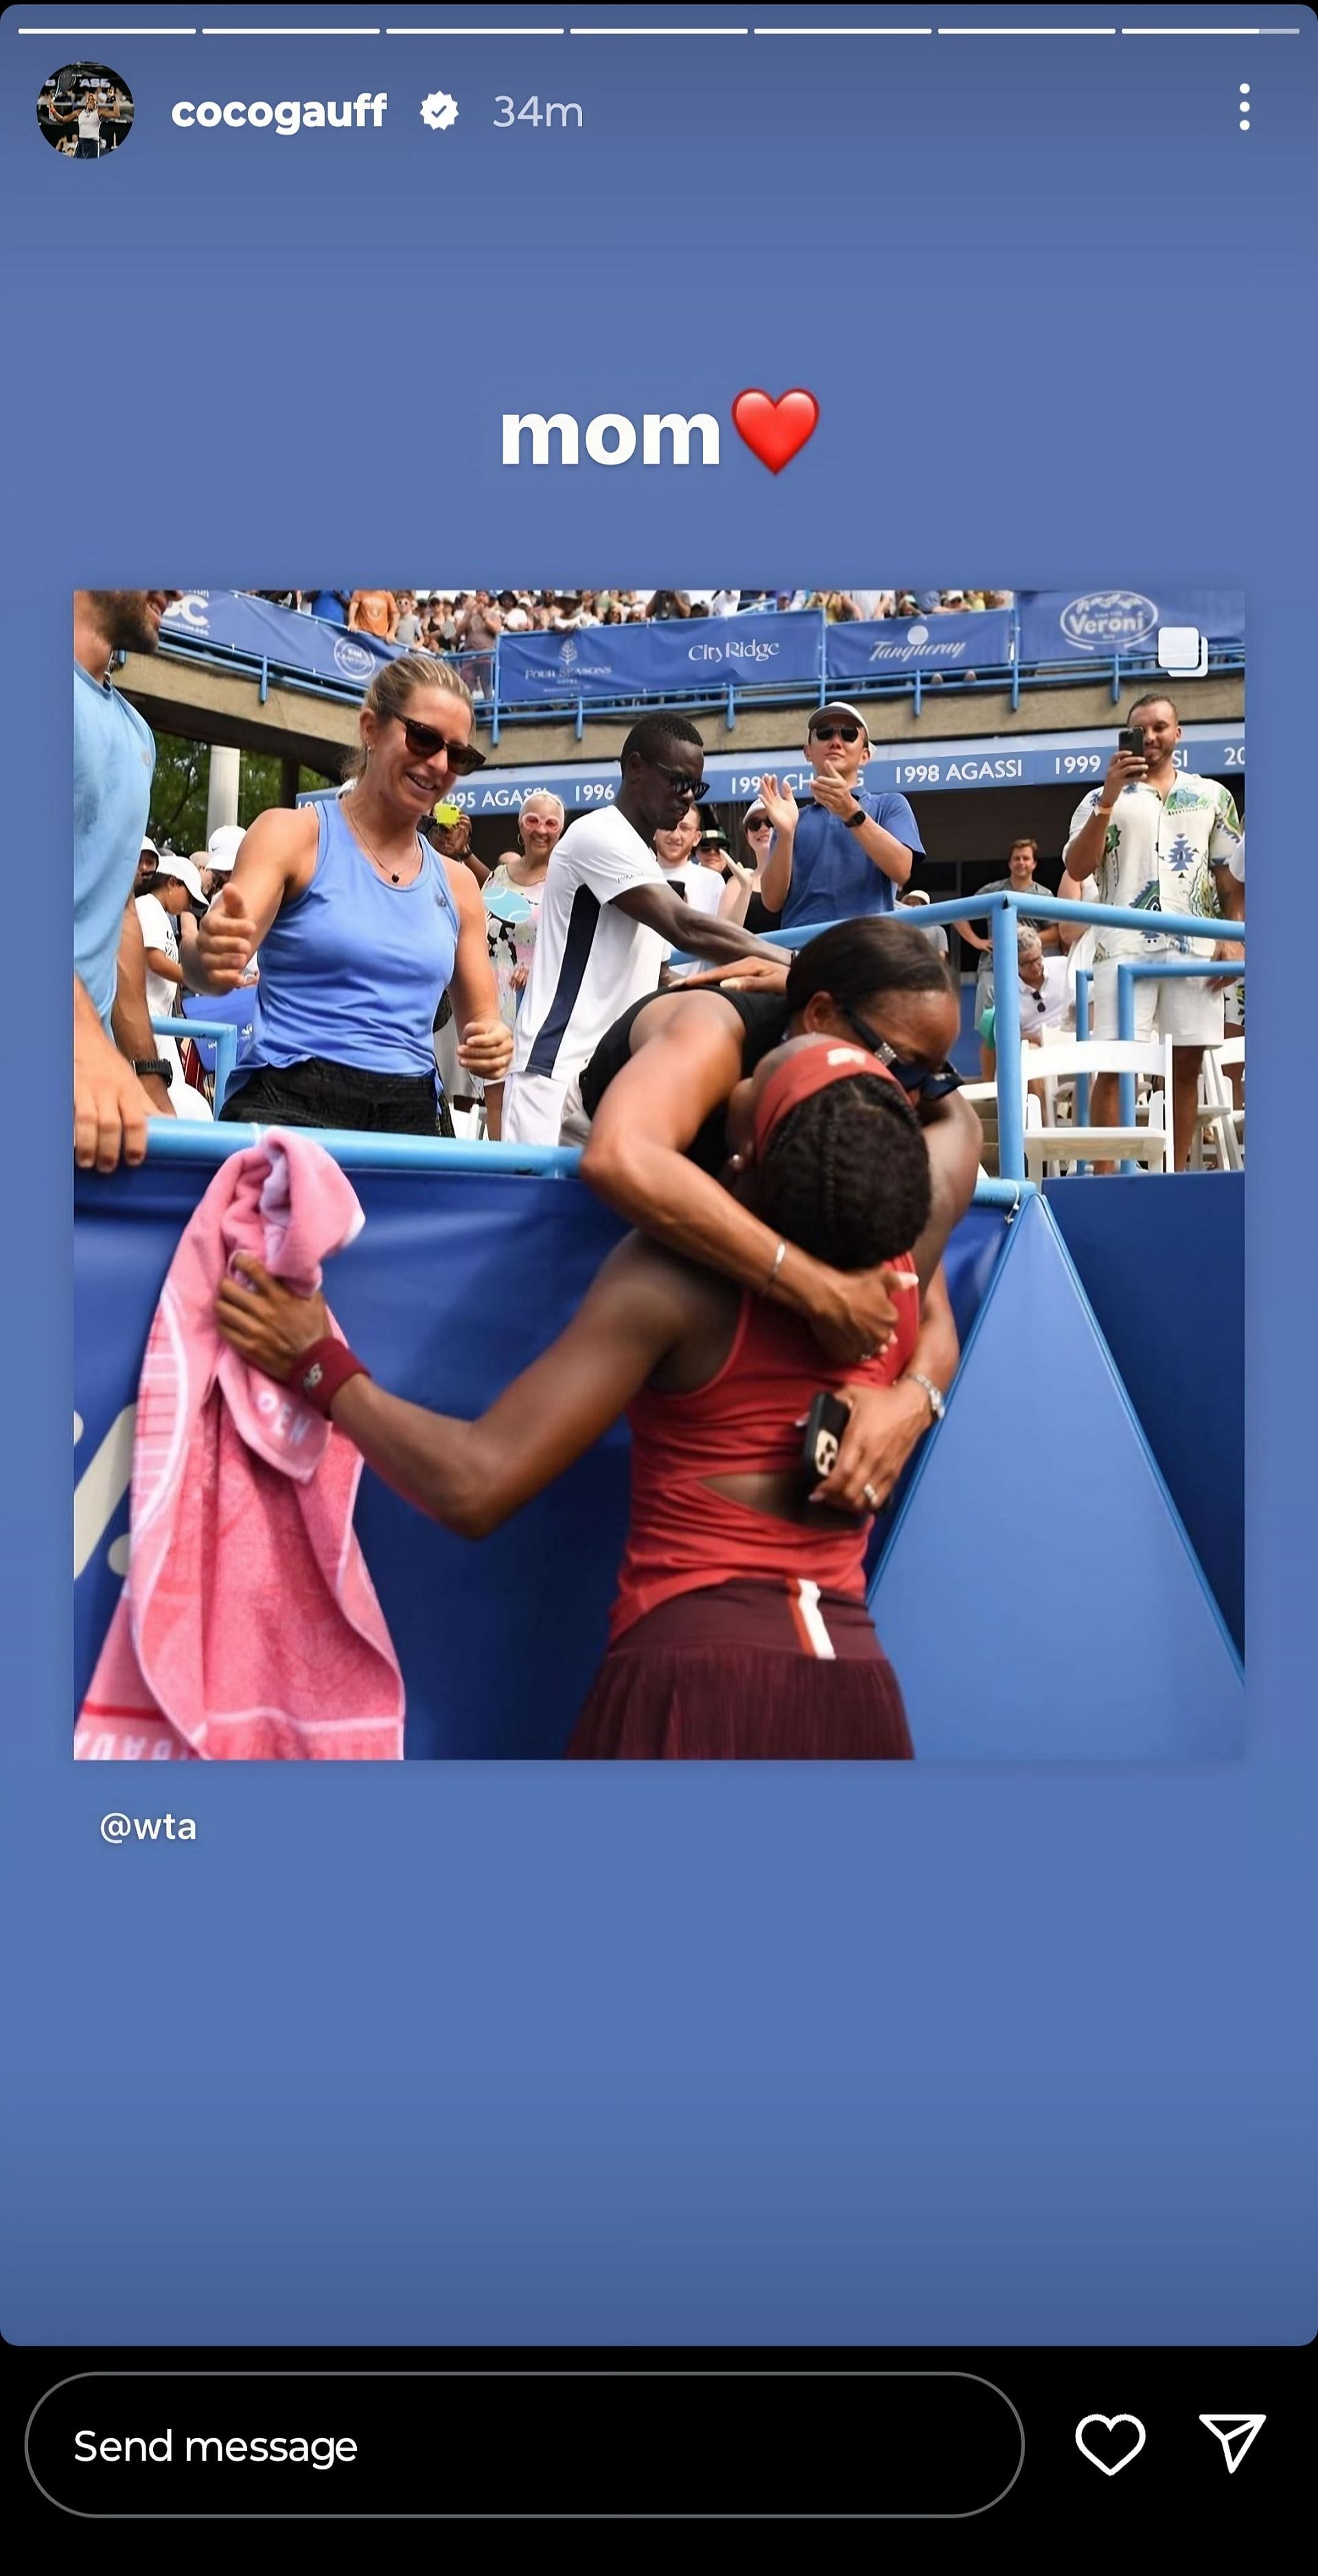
<point>835,733</point>
<point>759,823</point>
<point>677,779</point>
<point>933,1081</point>
<point>425,744</point>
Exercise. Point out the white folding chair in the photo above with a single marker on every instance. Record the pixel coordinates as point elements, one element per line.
<point>983,1097</point>
<point>1217,1109</point>
<point>1148,1141</point>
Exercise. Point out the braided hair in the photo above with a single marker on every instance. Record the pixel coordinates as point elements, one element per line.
<point>846,1175</point>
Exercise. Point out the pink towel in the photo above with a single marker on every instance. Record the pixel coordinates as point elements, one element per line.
<point>248,1629</point>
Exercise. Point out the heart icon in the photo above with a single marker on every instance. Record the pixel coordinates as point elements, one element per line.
<point>775,431</point>
<point>1109,2424</point>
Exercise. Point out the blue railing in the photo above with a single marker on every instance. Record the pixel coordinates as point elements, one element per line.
<point>220,1033</point>
<point>405,1153</point>
<point>1042,907</point>
<point>1001,910</point>
<point>915,683</point>
<point>180,1141</point>
<point>1132,969</point>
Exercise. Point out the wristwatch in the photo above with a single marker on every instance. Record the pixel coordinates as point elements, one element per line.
<point>937,1399</point>
<point>145,1065</point>
<point>852,822</point>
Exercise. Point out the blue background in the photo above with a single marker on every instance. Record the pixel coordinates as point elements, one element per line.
<point>492,2053</point>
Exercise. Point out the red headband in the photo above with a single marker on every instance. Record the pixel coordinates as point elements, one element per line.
<point>806,1071</point>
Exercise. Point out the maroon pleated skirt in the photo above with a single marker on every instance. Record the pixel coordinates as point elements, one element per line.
<point>741,1673</point>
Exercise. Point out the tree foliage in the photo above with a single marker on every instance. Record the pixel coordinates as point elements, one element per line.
<point>182,784</point>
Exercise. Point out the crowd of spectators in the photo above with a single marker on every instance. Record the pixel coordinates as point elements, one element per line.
<point>664,880</point>
<point>447,621</point>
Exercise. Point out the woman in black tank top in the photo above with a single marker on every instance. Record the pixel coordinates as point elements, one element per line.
<point>657,1092</point>
<point>764,1018</point>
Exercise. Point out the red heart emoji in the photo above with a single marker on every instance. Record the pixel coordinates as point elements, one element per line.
<point>775,431</point>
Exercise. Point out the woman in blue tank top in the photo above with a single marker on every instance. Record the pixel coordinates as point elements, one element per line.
<point>362,928</point>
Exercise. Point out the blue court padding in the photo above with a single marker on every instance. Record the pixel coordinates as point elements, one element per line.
<point>1038,1597</point>
<point>968,1265</point>
<point>969,1262</point>
<point>1164,1270</point>
<point>1035,1591</point>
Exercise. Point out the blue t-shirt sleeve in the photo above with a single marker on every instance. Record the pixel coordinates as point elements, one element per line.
<point>895,815</point>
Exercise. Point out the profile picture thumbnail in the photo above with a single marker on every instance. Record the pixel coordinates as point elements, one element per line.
<point>85,110</point>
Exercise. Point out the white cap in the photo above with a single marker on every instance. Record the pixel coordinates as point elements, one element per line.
<point>913,894</point>
<point>837,707</point>
<point>148,845</point>
<point>186,874</point>
<point>224,844</point>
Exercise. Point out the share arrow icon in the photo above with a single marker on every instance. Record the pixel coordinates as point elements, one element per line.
<point>1235,2433</point>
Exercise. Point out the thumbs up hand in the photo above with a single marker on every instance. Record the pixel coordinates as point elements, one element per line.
<point>226,939</point>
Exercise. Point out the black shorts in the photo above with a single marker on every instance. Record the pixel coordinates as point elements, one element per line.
<point>318,1093</point>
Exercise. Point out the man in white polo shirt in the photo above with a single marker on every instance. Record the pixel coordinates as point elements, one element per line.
<point>1156,838</point>
<point>607,919</point>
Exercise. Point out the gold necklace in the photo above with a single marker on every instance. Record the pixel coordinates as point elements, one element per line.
<point>395,875</point>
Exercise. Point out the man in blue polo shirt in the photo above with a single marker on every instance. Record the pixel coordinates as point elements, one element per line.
<point>120,1078</point>
<point>845,852</point>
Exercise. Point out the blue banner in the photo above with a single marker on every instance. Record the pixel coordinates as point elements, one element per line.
<point>664,656</point>
<point>1070,625</point>
<point>979,640</point>
<point>1076,760</point>
<point>234,618</point>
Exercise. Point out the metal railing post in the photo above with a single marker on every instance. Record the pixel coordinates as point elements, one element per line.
<point>221,1034</point>
<point>1007,1039</point>
<point>1083,980</point>
<point>1126,1030</point>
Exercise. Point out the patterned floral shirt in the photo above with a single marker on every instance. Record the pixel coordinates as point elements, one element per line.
<point>1159,854</point>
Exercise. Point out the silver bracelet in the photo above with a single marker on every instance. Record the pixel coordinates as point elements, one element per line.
<point>933,1395</point>
<point>778,1259</point>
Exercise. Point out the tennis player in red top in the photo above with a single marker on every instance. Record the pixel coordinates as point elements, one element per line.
<point>740,1628</point>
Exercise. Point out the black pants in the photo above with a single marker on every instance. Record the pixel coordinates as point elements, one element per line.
<point>318,1093</point>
